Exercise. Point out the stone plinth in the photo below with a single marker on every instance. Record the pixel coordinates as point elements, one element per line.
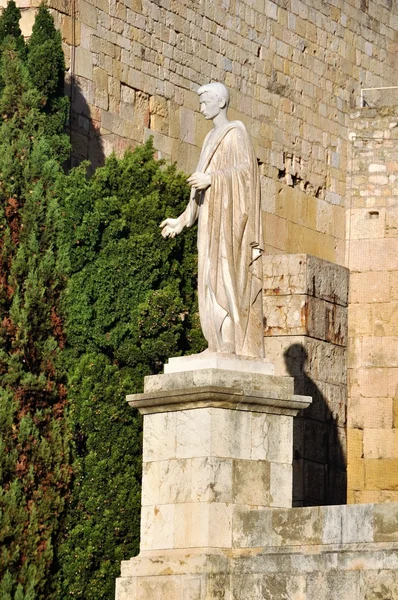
<point>216,517</point>
<point>219,360</point>
<point>213,439</point>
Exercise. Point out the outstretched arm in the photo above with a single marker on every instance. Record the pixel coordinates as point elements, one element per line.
<point>172,227</point>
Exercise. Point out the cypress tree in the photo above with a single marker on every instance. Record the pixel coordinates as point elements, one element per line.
<point>46,66</point>
<point>128,305</point>
<point>10,29</point>
<point>34,442</point>
<point>46,61</point>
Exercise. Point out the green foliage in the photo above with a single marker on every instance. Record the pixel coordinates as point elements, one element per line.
<point>10,29</point>
<point>34,440</point>
<point>46,62</point>
<point>129,304</point>
<point>46,66</point>
<point>92,299</point>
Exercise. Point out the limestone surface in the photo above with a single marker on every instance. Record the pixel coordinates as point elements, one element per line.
<point>225,200</point>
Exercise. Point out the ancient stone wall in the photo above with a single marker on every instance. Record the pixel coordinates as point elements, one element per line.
<point>295,69</point>
<point>372,256</point>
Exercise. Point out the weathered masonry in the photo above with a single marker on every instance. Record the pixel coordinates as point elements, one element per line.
<point>295,69</point>
<point>329,173</point>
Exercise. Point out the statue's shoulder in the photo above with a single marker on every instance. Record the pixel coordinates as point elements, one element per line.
<point>239,127</point>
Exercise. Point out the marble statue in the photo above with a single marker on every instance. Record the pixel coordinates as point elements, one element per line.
<point>225,199</point>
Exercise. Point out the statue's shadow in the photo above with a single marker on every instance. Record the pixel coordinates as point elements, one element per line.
<point>319,459</point>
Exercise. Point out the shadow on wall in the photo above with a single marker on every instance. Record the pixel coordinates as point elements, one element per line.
<point>319,463</point>
<point>83,128</point>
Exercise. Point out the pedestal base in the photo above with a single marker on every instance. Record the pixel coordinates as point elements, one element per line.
<point>217,360</point>
<point>217,441</point>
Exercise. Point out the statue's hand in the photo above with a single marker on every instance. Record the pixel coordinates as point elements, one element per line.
<point>199,181</point>
<point>171,227</point>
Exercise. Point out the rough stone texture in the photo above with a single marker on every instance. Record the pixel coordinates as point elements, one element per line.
<point>340,552</point>
<point>372,252</point>
<point>305,314</point>
<point>295,69</point>
<point>208,530</point>
<point>202,459</point>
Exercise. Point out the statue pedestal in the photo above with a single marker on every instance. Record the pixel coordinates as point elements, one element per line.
<point>218,360</point>
<point>216,442</point>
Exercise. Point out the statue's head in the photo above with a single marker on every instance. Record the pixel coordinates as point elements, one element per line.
<point>213,98</point>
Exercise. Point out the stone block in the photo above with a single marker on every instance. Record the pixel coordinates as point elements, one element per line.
<point>380,443</point>
<point>354,443</point>
<point>218,378</point>
<point>290,274</point>
<point>367,224</point>
<point>361,321</point>
<point>332,524</point>
<point>334,584</point>
<point>84,63</point>
<point>88,14</point>
<point>202,525</point>
<point>293,355</point>
<point>275,230</point>
<point>70,30</point>
<point>271,438</point>
<point>126,588</point>
<point>251,482</point>
<point>158,110</point>
<point>157,527</point>
<point>194,433</point>
<point>281,485</point>
<point>187,125</point>
<point>375,413</point>
<point>374,496</point>
<point>370,383</point>
<point>160,436</point>
<point>381,474</point>
<point>357,524</point>
<point>297,526</point>
<point>251,527</point>
<point>379,584</point>
<point>276,585</point>
<point>362,253</point>
<point>213,432</point>
<point>379,351</point>
<point>304,315</point>
<point>187,480</point>
<point>315,490</point>
<point>385,522</point>
<point>356,473</point>
<point>158,587</point>
<point>393,287</point>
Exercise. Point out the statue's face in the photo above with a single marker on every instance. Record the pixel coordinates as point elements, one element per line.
<point>209,105</point>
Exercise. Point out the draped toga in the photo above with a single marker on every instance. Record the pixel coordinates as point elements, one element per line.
<point>229,228</point>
